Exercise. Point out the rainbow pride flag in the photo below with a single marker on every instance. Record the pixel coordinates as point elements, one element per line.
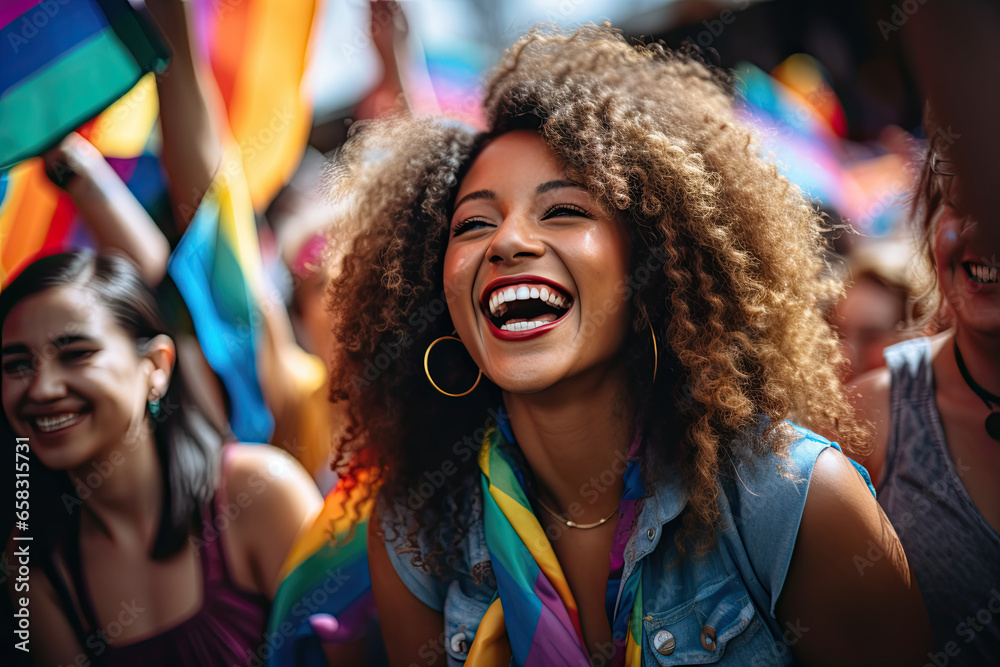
<point>260,52</point>
<point>217,269</point>
<point>36,217</point>
<point>325,594</point>
<point>84,53</point>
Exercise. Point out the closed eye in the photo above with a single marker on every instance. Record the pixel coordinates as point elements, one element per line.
<point>468,225</point>
<point>18,366</point>
<point>77,355</point>
<point>566,210</point>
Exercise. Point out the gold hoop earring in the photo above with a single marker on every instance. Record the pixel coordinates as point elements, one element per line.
<point>427,370</point>
<point>656,355</point>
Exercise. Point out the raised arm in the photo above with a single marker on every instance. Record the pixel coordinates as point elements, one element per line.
<point>192,148</point>
<point>114,216</point>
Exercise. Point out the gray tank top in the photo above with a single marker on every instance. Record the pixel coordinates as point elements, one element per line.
<point>954,552</point>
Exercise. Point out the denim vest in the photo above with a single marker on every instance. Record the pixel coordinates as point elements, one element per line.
<point>717,608</point>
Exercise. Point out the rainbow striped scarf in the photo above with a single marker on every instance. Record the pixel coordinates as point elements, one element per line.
<point>534,618</point>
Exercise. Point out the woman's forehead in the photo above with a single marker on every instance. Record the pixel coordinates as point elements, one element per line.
<point>67,310</point>
<point>515,157</point>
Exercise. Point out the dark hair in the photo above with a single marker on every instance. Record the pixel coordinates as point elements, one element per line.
<point>187,444</point>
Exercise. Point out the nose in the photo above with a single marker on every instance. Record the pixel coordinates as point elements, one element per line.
<point>46,382</point>
<point>516,237</point>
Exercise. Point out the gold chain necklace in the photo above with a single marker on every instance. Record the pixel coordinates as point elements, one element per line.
<point>574,524</point>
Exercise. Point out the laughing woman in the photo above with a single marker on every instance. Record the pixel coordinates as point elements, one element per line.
<point>638,297</point>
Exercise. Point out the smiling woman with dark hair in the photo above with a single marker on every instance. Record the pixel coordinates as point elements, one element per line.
<point>638,299</point>
<point>152,543</point>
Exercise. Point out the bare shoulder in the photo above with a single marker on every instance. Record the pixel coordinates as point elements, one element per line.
<point>276,500</point>
<point>849,577</point>
<point>869,394</point>
<point>263,469</point>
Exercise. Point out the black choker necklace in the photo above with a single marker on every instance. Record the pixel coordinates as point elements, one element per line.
<point>993,421</point>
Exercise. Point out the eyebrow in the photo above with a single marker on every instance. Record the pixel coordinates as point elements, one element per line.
<point>16,348</point>
<point>555,185</point>
<point>61,341</point>
<point>542,189</point>
<point>478,194</point>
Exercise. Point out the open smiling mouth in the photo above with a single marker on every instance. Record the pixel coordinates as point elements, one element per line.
<point>526,306</point>
<point>982,273</point>
<point>57,422</point>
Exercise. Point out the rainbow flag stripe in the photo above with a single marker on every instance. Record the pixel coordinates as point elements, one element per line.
<point>260,51</point>
<point>217,268</point>
<point>326,574</point>
<point>88,53</point>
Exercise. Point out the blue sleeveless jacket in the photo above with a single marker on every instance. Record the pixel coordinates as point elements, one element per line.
<point>728,593</point>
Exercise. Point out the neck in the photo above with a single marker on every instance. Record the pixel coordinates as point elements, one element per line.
<point>982,358</point>
<point>122,489</point>
<point>576,439</point>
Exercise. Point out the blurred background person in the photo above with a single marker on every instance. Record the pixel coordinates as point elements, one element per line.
<point>878,305</point>
<point>936,413</point>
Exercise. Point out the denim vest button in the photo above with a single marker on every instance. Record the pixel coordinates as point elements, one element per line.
<point>708,638</point>
<point>651,533</point>
<point>663,642</point>
<point>459,643</point>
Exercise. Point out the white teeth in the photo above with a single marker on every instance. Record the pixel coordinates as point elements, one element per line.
<point>522,326</point>
<point>983,273</point>
<point>54,423</point>
<point>523,293</point>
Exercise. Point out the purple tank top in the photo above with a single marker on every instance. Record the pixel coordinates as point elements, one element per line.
<point>226,630</point>
<point>954,552</point>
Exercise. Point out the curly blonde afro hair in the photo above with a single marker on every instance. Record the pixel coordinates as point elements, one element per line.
<point>736,292</point>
